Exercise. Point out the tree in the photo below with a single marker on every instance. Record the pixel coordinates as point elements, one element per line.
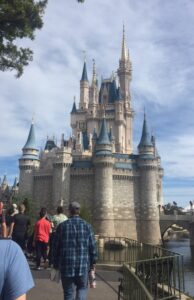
<point>18,19</point>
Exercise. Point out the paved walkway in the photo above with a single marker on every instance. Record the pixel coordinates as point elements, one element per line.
<point>106,287</point>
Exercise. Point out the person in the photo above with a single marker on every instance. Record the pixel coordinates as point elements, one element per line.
<point>15,275</point>
<point>74,253</point>
<point>19,227</point>
<point>42,232</point>
<point>3,230</point>
<point>55,221</point>
<point>58,218</point>
<point>14,209</point>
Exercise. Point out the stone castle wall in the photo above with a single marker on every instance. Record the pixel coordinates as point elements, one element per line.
<point>43,192</point>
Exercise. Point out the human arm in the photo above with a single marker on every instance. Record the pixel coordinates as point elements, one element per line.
<point>92,249</point>
<point>23,297</point>
<point>3,226</point>
<point>11,227</point>
<point>17,273</point>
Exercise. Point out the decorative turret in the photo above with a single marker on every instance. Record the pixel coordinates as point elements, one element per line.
<point>30,150</point>
<point>145,146</point>
<point>74,110</point>
<point>124,72</point>
<point>50,144</point>
<point>103,204</point>
<point>28,163</point>
<point>93,99</point>
<point>148,209</point>
<point>103,143</point>
<point>84,89</point>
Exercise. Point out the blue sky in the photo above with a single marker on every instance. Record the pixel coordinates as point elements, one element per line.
<point>160,38</point>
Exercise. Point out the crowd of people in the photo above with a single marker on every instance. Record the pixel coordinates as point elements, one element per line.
<point>63,243</point>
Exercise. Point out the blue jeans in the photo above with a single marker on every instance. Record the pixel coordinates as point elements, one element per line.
<point>78,284</point>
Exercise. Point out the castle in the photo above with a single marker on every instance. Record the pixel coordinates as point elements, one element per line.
<point>97,166</point>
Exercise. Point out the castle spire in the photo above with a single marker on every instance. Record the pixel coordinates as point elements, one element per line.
<point>74,109</point>
<point>31,141</point>
<point>84,73</point>
<point>124,50</point>
<point>145,137</point>
<point>103,136</point>
<point>94,77</point>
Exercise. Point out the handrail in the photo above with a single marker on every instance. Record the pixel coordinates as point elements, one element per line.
<point>159,270</point>
<point>141,290</point>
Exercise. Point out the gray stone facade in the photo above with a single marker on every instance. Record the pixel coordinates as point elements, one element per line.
<point>96,166</point>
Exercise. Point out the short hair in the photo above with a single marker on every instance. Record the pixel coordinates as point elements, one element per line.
<point>21,208</point>
<point>74,207</point>
<point>60,210</point>
<point>43,212</point>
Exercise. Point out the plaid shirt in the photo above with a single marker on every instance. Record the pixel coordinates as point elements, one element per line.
<point>74,247</point>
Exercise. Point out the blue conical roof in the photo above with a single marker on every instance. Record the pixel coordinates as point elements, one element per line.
<point>103,136</point>
<point>31,142</point>
<point>84,73</point>
<point>74,109</point>
<point>145,138</point>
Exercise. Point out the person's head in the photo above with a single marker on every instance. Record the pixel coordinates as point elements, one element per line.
<point>21,208</point>
<point>14,207</point>
<point>60,210</point>
<point>74,208</point>
<point>43,212</point>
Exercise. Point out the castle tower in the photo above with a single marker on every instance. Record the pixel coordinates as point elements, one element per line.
<point>73,118</point>
<point>103,204</point>
<point>61,177</point>
<point>149,230</point>
<point>125,74</point>
<point>84,89</point>
<point>28,163</point>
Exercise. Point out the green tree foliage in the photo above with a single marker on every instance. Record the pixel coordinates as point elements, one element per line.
<point>18,19</point>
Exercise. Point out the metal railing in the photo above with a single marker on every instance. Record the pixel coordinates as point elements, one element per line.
<point>132,287</point>
<point>159,270</point>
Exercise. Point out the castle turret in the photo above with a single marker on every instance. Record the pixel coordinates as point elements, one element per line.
<point>61,177</point>
<point>103,204</point>
<point>124,72</point>
<point>84,89</point>
<point>148,209</point>
<point>74,118</point>
<point>28,163</point>
<point>93,99</point>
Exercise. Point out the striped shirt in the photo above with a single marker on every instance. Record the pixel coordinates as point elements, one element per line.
<point>74,247</point>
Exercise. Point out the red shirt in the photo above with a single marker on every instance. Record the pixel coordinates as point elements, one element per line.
<point>42,230</point>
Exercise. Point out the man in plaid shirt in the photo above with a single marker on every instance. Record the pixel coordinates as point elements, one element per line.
<point>74,253</point>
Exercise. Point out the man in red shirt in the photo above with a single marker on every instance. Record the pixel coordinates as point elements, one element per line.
<point>42,232</point>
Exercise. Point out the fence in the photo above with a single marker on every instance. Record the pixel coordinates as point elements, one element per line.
<point>155,272</point>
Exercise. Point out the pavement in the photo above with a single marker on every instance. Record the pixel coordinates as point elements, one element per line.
<point>45,289</point>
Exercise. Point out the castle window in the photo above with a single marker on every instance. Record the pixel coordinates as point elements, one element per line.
<point>81,125</point>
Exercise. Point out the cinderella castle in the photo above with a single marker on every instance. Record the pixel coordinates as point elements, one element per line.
<point>97,167</point>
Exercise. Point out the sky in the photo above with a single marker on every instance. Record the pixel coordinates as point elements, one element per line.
<point>160,39</point>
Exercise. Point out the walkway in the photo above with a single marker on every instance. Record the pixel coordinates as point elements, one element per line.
<point>107,286</point>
